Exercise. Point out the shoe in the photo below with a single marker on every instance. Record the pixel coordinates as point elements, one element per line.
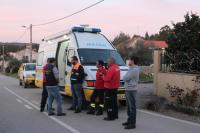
<point>50,114</point>
<point>61,114</point>
<point>109,119</point>
<point>71,108</point>
<point>42,110</point>
<point>130,126</point>
<point>77,111</point>
<point>90,112</point>
<point>125,124</point>
<point>100,112</point>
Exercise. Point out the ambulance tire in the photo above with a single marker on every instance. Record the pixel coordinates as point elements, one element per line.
<point>20,82</point>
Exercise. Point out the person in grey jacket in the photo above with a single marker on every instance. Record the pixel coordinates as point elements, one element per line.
<point>131,79</point>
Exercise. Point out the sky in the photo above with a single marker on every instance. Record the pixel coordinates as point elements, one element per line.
<point>112,16</point>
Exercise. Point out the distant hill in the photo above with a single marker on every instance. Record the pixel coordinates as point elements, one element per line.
<point>15,46</point>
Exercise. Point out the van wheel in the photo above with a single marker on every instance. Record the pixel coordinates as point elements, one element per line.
<point>122,102</point>
<point>20,82</point>
<point>25,85</point>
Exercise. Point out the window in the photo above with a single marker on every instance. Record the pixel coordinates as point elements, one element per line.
<point>40,58</point>
<point>30,67</point>
<point>90,56</point>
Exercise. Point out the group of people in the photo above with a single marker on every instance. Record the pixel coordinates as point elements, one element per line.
<point>104,95</point>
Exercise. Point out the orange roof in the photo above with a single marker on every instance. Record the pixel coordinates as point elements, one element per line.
<point>157,44</point>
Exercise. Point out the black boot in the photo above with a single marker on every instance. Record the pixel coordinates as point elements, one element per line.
<point>91,111</point>
<point>130,126</point>
<point>99,111</point>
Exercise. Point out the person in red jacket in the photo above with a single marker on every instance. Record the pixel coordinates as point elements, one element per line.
<point>99,91</point>
<point>111,84</point>
<point>44,91</point>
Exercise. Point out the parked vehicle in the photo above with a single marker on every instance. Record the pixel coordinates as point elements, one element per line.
<point>89,45</point>
<point>26,74</point>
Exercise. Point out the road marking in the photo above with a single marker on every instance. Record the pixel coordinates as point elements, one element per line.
<point>18,100</point>
<point>37,108</point>
<point>35,102</point>
<point>28,107</point>
<point>168,117</point>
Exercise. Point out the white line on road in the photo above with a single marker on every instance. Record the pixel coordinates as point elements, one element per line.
<point>35,102</point>
<point>168,117</point>
<point>28,107</point>
<point>37,108</point>
<point>18,100</point>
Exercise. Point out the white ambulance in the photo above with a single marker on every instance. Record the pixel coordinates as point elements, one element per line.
<point>89,45</point>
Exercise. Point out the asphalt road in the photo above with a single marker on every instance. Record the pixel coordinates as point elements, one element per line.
<point>19,113</point>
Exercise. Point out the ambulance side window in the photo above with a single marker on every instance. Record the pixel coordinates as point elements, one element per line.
<point>70,54</point>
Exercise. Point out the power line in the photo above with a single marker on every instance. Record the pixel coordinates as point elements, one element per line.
<point>53,21</point>
<point>22,35</point>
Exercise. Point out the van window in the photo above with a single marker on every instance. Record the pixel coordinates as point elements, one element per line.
<point>70,54</point>
<point>40,58</point>
<point>90,56</point>
<point>30,67</point>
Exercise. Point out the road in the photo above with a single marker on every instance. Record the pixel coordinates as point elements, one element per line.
<point>19,113</point>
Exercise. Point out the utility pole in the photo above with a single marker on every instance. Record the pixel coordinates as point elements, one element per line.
<point>31,45</point>
<point>31,38</point>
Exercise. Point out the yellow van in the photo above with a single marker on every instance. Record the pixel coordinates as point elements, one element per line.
<point>26,74</point>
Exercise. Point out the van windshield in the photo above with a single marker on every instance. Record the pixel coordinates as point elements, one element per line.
<point>90,56</point>
<point>30,67</point>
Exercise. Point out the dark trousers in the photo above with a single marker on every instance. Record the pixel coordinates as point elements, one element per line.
<point>98,93</point>
<point>77,95</point>
<point>131,102</point>
<point>44,97</point>
<point>111,103</point>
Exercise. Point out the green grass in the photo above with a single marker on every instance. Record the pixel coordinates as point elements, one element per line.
<point>146,78</point>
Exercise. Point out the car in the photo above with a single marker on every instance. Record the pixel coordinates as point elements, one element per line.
<point>26,74</point>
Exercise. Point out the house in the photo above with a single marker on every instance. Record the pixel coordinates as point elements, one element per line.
<point>156,44</point>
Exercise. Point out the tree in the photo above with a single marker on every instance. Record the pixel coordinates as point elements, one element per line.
<point>121,38</point>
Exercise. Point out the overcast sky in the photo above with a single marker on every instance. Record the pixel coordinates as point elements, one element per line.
<point>112,16</point>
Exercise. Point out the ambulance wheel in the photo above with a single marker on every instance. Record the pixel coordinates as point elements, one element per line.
<point>20,82</point>
<point>122,102</point>
<point>25,85</point>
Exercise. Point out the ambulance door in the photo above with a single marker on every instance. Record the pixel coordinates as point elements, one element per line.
<point>70,54</point>
<point>61,61</point>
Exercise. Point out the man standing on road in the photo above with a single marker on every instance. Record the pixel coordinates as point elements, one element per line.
<point>131,83</point>
<point>111,84</point>
<point>51,76</point>
<point>44,91</point>
<point>77,77</point>
<point>99,91</point>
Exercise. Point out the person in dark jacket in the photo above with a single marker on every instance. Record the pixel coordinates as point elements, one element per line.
<point>111,84</point>
<point>52,76</point>
<point>99,91</point>
<point>77,77</point>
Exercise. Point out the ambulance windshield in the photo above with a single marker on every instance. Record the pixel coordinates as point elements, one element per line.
<point>89,57</point>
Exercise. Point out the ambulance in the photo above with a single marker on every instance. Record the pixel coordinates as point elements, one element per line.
<point>89,45</point>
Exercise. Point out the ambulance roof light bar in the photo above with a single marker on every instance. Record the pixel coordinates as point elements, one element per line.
<point>82,29</point>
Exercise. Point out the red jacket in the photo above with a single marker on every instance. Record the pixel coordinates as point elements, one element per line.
<point>112,77</point>
<point>99,78</point>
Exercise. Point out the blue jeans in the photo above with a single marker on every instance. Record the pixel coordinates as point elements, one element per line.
<point>53,93</point>
<point>77,96</point>
<point>131,102</point>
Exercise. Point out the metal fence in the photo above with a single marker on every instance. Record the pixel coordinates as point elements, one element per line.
<point>181,62</point>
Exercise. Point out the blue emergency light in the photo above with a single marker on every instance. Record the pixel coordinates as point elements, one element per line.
<point>82,29</point>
